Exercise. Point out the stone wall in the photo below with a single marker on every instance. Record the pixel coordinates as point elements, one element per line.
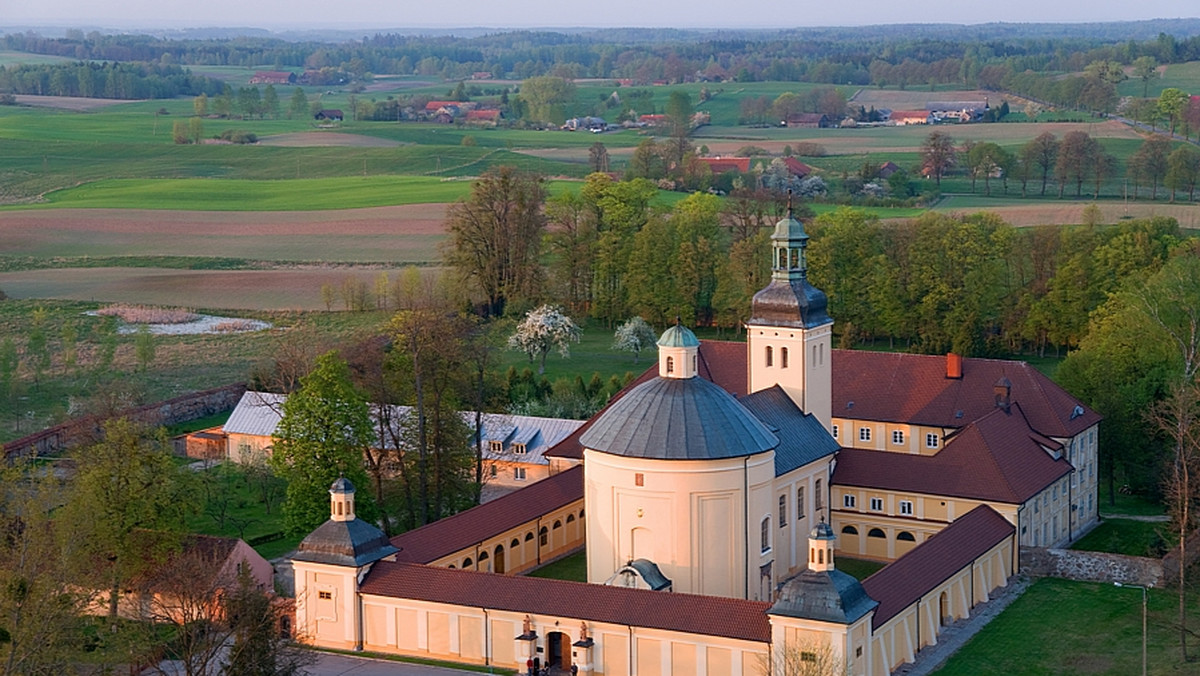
<point>1091,566</point>
<point>56,439</point>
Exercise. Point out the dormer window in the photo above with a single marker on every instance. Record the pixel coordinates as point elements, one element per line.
<point>496,446</point>
<point>518,449</point>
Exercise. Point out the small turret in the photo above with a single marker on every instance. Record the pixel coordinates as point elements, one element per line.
<point>820,548</point>
<point>678,352</point>
<point>341,500</point>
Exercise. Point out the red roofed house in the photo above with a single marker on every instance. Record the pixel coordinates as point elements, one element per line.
<point>796,167</point>
<point>484,117</point>
<point>652,120</point>
<point>273,77</point>
<point>721,165</point>
<point>907,117</point>
<point>712,510</point>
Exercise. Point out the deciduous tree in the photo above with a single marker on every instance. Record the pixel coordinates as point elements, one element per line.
<point>634,336</point>
<point>937,155</point>
<point>543,329</point>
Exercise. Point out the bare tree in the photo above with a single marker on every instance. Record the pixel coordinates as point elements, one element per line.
<point>803,658</point>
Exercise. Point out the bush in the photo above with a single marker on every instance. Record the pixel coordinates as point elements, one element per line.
<point>806,149</point>
<point>8,100</point>
<point>238,136</point>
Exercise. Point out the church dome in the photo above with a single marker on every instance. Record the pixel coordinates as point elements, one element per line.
<point>678,336</point>
<point>679,419</point>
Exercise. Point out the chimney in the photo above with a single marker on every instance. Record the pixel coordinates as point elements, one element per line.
<point>1003,391</point>
<point>953,366</point>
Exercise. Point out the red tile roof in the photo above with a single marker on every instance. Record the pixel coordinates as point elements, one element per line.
<point>998,457</point>
<point>910,115</point>
<point>720,165</point>
<point>908,578</point>
<point>914,389</point>
<point>690,613</point>
<point>488,115</point>
<point>467,529</point>
<point>797,167</point>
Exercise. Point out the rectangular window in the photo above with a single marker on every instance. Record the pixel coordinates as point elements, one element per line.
<point>848,501</point>
<point>496,446</point>
<point>931,440</point>
<point>898,437</point>
<point>770,356</point>
<point>818,496</point>
<point>519,473</point>
<point>639,479</point>
<point>808,657</point>
<point>906,507</point>
<point>494,470</point>
<point>766,535</point>
<point>800,502</point>
<point>783,510</point>
<point>877,504</point>
<point>864,434</point>
<point>325,596</point>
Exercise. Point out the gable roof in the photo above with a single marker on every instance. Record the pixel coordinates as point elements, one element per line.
<point>797,167</point>
<point>913,388</point>
<point>998,457</point>
<point>720,165</point>
<point>688,613</point>
<point>904,581</point>
<point>802,438</point>
<point>256,414</point>
<point>467,529</point>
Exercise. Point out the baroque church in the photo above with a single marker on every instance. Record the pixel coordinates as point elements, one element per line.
<point>712,496</point>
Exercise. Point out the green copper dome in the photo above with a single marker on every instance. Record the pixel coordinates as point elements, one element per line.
<point>678,336</point>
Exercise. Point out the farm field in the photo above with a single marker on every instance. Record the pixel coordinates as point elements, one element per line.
<point>1185,76</point>
<point>1033,212</point>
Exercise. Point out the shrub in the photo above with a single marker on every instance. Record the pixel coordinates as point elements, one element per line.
<point>141,314</point>
<point>8,100</point>
<point>238,136</point>
<point>806,149</point>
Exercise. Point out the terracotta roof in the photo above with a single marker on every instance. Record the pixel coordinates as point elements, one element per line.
<point>914,389</point>
<point>720,165</point>
<point>490,115</point>
<point>466,529</point>
<point>998,457</point>
<point>689,613</point>
<point>910,114</point>
<point>908,578</point>
<point>797,167</point>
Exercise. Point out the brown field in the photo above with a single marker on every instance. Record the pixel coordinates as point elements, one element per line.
<point>320,138</point>
<point>286,289</point>
<point>915,99</point>
<point>395,234</point>
<point>75,103</point>
<point>1072,212</point>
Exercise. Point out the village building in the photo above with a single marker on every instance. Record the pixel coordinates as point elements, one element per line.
<point>712,497</point>
<point>809,120</point>
<point>906,117</point>
<point>956,111</point>
<point>273,77</point>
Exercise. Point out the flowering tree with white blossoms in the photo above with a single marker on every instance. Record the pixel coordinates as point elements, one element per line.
<point>542,330</point>
<point>634,336</point>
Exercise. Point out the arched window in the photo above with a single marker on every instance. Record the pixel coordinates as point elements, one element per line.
<point>849,530</point>
<point>783,357</point>
<point>543,536</point>
<point>483,556</point>
<point>770,356</point>
<point>467,563</point>
<point>876,533</point>
<point>529,536</point>
<point>820,556</point>
<point>766,535</point>
<point>515,543</point>
<point>452,566</point>
<point>905,536</point>
<point>570,518</point>
<point>782,511</point>
<point>670,364</point>
<point>557,524</point>
<point>581,513</point>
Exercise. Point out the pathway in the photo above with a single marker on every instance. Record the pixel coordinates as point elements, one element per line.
<point>955,636</point>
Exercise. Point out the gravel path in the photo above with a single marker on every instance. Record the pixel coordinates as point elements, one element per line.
<point>931,658</point>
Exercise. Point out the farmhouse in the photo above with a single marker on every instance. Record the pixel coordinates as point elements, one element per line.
<point>888,168</point>
<point>906,117</point>
<point>797,168</point>
<point>329,114</point>
<point>957,111</point>
<point>484,117</point>
<point>811,120</point>
<point>721,165</point>
<point>712,497</point>
<point>273,77</point>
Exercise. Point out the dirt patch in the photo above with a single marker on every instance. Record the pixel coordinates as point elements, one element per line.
<point>406,233</point>
<point>1072,212</point>
<point>318,138</point>
<point>915,99</point>
<point>76,103</point>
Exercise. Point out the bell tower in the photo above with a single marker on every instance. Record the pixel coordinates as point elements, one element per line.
<point>789,334</point>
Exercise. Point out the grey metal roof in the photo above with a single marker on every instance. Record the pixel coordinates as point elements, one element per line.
<point>650,573</point>
<point>827,597</point>
<point>257,414</point>
<point>345,543</point>
<point>794,303</point>
<point>678,419</point>
<point>341,485</point>
<point>789,229</point>
<point>802,438</point>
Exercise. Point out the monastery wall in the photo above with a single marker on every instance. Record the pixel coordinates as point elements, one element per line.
<point>551,536</point>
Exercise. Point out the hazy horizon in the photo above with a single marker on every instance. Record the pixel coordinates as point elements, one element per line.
<point>478,14</point>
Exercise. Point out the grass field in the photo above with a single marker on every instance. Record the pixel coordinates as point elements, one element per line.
<point>1031,212</point>
<point>572,568</point>
<point>234,506</point>
<point>859,569</point>
<point>1127,505</point>
<point>1064,628</point>
<point>1126,536</point>
<point>1185,76</point>
<point>9,59</point>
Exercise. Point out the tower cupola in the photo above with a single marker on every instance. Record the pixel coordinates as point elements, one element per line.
<point>341,500</point>
<point>678,352</point>
<point>789,245</point>
<point>820,548</point>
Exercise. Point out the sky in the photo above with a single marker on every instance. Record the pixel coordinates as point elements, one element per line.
<point>380,14</point>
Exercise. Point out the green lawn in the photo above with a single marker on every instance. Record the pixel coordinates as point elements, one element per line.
<point>1125,536</point>
<point>859,569</point>
<point>572,568</point>
<point>1065,628</point>
<point>1127,504</point>
<point>233,505</point>
<point>1185,76</point>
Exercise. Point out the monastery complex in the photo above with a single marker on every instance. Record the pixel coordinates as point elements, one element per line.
<point>712,497</point>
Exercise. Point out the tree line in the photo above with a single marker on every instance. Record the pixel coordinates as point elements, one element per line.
<point>109,80</point>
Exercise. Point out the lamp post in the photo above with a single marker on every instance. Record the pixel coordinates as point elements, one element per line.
<point>1134,586</point>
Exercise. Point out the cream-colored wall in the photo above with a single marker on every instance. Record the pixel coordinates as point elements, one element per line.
<point>333,622</point>
<point>931,513</point>
<point>834,644</point>
<point>1043,518</point>
<point>791,539</point>
<point>528,552</point>
<point>479,636</point>
<point>849,436</point>
<point>506,476</point>
<point>698,520</point>
<point>246,447</point>
<point>808,377</point>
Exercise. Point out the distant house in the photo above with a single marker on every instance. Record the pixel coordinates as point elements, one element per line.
<point>436,106</point>
<point>330,115</point>
<point>484,117</point>
<point>590,123</point>
<point>809,120</point>
<point>721,165</point>
<point>652,120</point>
<point>481,75</point>
<point>273,77</point>
<point>906,117</point>
<point>957,111</point>
<point>888,168</point>
<point>797,168</point>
